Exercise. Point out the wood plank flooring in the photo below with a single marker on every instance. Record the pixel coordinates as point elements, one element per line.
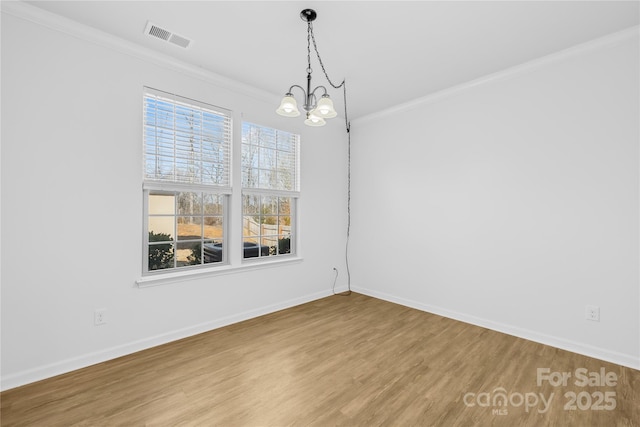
<point>350,361</point>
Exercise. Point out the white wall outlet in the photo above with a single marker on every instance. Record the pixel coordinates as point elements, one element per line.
<point>100,317</point>
<point>592,312</point>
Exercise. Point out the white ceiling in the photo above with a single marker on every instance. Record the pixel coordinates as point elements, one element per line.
<point>390,52</point>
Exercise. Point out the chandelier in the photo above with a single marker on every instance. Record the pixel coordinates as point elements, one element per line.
<point>317,110</point>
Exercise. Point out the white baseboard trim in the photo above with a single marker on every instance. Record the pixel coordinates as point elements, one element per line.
<point>627,360</point>
<point>43,372</point>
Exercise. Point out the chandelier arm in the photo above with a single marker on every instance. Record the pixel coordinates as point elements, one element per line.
<point>309,97</point>
<point>299,87</point>
<point>319,87</point>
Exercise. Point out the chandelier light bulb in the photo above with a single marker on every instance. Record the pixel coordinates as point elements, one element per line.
<point>325,108</point>
<point>288,106</point>
<point>314,120</point>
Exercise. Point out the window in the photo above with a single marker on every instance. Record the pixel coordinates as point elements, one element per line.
<point>186,182</point>
<point>270,188</point>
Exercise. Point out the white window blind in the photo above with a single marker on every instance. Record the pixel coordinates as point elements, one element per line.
<point>270,159</point>
<point>185,141</point>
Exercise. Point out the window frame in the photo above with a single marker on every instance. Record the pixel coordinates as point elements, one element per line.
<point>175,185</point>
<point>293,195</point>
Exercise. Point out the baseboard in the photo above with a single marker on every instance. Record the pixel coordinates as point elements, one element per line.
<point>602,354</point>
<point>68,365</point>
<point>83,361</point>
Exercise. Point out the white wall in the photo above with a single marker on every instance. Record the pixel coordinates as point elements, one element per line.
<point>72,205</point>
<point>511,202</point>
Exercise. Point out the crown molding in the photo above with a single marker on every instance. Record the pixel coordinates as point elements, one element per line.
<point>608,40</point>
<point>92,35</point>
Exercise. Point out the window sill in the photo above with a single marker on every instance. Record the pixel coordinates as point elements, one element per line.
<point>175,277</point>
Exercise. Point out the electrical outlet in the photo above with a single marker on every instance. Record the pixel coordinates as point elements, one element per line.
<point>100,317</point>
<point>592,312</point>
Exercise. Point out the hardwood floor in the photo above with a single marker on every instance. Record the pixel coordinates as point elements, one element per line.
<point>353,361</point>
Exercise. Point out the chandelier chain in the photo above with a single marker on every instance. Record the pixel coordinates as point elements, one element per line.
<point>342,85</point>
<point>315,47</point>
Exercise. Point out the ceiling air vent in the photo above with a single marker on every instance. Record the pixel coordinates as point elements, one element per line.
<point>166,35</point>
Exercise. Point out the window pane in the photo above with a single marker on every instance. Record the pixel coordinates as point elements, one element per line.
<point>161,204</point>
<point>250,156</point>
<point>251,205</point>
<point>269,225</point>
<point>286,144</point>
<point>162,226</point>
<point>185,141</point>
<point>213,204</point>
<point>286,160</point>
<point>160,256</point>
<point>189,227</point>
<point>251,226</point>
<point>266,178</point>
<point>284,224</point>
<point>270,242</point>
<point>284,205</point>
<point>188,253</point>
<point>248,179</point>
<point>252,249</point>
<point>284,245</point>
<point>189,203</point>
<point>269,158</point>
<point>269,205</point>
<point>269,228</point>
<point>267,137</point>
<point>213,227</point>
<point>212,252</point>
<point>213,174</point>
